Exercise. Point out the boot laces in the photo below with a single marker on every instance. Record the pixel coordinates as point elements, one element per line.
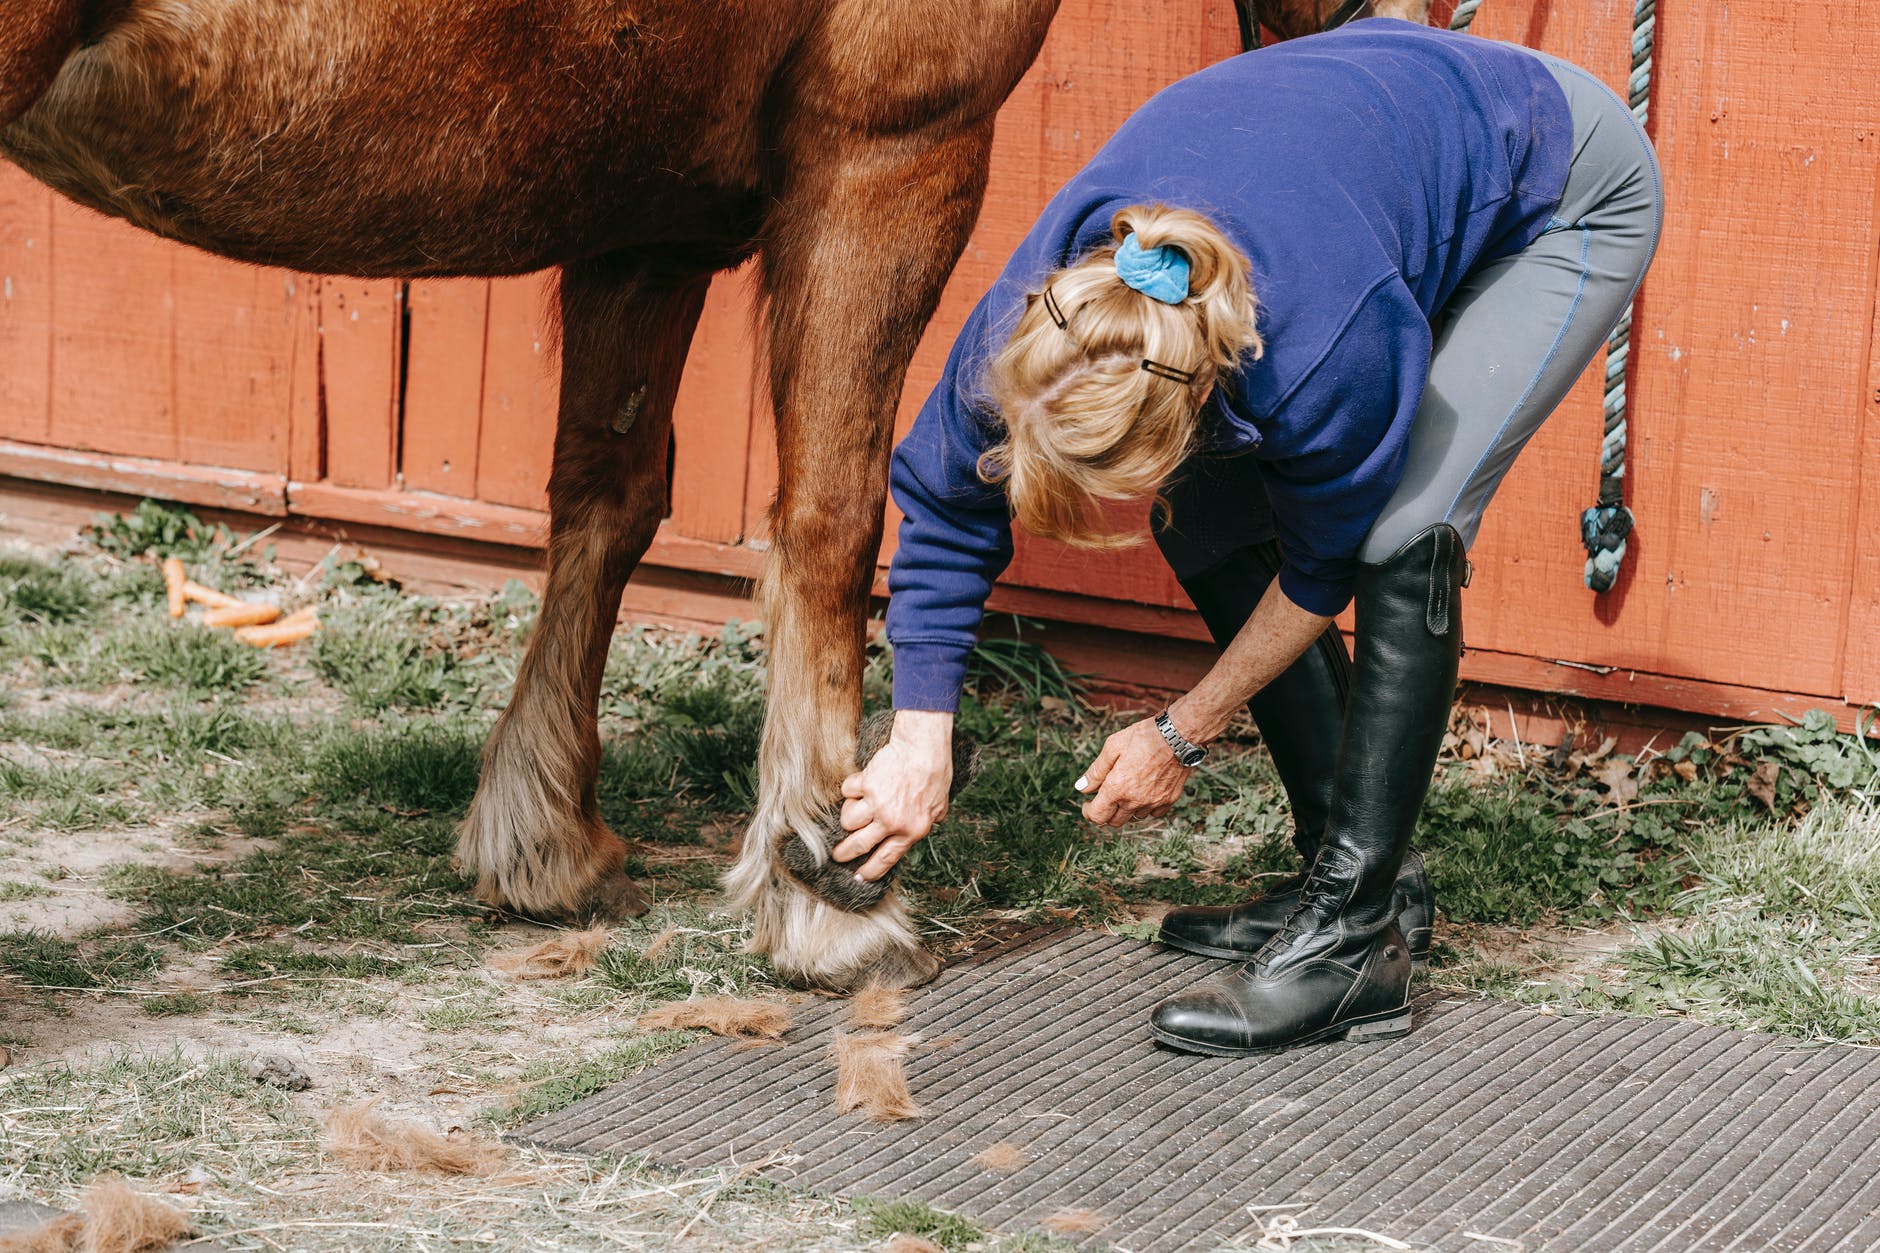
<point>1315,898</point>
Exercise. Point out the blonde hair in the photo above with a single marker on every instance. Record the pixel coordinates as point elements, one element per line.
<point>1084,422</point>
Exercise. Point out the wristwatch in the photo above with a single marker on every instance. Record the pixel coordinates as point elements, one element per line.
<point>1190,755</point>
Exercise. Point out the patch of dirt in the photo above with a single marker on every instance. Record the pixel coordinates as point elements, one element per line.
<point>69,868</point>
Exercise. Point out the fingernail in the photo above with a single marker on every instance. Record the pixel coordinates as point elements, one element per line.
<point>1082,784</point>
<point>859,879</point>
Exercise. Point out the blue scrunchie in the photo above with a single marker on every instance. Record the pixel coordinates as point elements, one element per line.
<point>1159,273</point>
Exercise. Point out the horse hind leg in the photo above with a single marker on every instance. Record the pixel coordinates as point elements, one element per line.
<point>533,836</point>
<point>35,39</point>
<point>849,297</point>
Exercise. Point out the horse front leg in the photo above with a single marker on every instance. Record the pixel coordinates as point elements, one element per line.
<point>533,836</point>
<point>854,268</point>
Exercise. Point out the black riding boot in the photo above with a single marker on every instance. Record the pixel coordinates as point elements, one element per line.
<point>1340,967</point>
<point>1301,716</point>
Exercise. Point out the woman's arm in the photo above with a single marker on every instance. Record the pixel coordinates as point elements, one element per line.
<point>1136,775</point>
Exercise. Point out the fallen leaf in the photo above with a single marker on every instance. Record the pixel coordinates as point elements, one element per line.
<point>1686,770</point>
<point>1762,784</point>
<point>1617,778</point>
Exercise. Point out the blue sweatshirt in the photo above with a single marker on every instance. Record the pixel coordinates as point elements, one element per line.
<point>1364,173</point>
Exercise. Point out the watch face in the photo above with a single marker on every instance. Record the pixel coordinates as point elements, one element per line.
<point>1194,756</point>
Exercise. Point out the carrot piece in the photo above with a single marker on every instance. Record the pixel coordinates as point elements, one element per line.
<point>210,597</point>
<point>278,635</point>
<point>306,613</point>
<point>174,583</point>
<point>241,615</point>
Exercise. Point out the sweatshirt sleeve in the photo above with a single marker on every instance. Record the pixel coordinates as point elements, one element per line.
<point>1329,492</point>
<point>956,532</point>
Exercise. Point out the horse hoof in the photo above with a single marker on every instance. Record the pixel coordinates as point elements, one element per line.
<point>617,897</point>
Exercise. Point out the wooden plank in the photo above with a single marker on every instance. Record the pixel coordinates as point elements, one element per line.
<point>443,408</point>
<point>1860,629</point>
<point>306,442</point>
<point>360,333</point>
<point>25,307</point>
<point>222,488</point>
<point>1748,363</point>
<point>713,414</point>
<point>114,337</point>
<point>521,388</point>
<point>233,354</point>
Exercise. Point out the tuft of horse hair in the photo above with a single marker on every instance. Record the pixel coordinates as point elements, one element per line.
<point>111,1219</point>
<point>834,881</point>
<point>570,953</point>
<point>361,1138</point>
<point>1003,1156</point>
<point>901,1242</point>
<point>871,1078</point>
<point>56,1235</point>
<point>1070,1221</point>
<point>876,1007</point>
<point>721,1015</point>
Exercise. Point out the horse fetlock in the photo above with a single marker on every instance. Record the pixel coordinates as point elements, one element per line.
<point>536,860</point>
<point>812,944</point>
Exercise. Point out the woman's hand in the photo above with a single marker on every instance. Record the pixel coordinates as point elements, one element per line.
<point>1135,776</point>
<point>895,800</point>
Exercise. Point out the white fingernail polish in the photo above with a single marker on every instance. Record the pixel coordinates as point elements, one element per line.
<point>1082,785</point>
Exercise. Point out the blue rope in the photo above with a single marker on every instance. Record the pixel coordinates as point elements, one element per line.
<point>1604,527</point>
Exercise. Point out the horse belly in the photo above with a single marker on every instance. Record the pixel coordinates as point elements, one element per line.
<point>406,137</point>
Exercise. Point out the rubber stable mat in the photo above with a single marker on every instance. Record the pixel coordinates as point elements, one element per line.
<point>1490,1119</point>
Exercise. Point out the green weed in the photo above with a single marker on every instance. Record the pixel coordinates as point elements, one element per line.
<point>34,592</point>
<point>46,962</point>
<point>556,1083</point>
<point>185,658</point>
<point>883,1218</point>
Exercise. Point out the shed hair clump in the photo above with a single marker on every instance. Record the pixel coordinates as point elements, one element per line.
<point>111,1219</point>
<point>1003,1156</point>
<point>721,1015</point>
<point>360,1137</point>
<point>877,1007</point>
<point>871,1077</point>
<point>571,953</point>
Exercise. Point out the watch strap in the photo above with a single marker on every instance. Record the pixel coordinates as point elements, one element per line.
<point>1190,755</point>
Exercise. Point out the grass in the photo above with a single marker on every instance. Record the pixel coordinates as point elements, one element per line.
<point>556,1083</point>
<point>317,791</point>
<point>146,1117</point>
<point>42,961</point>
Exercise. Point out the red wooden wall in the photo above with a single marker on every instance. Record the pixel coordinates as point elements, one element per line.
<point>1754,581</point>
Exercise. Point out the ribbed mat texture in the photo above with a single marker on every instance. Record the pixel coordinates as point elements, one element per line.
<point>1490,1119</point>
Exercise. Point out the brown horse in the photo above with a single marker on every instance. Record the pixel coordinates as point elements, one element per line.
<point>641,145</point>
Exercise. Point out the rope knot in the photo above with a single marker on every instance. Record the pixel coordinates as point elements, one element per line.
<point>1603,529</point>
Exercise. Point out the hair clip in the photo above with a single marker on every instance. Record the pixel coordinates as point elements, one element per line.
<point>1051,307</point>
<point>1168,372</point>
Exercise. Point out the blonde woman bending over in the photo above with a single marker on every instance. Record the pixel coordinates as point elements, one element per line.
<point>1232,305</point>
